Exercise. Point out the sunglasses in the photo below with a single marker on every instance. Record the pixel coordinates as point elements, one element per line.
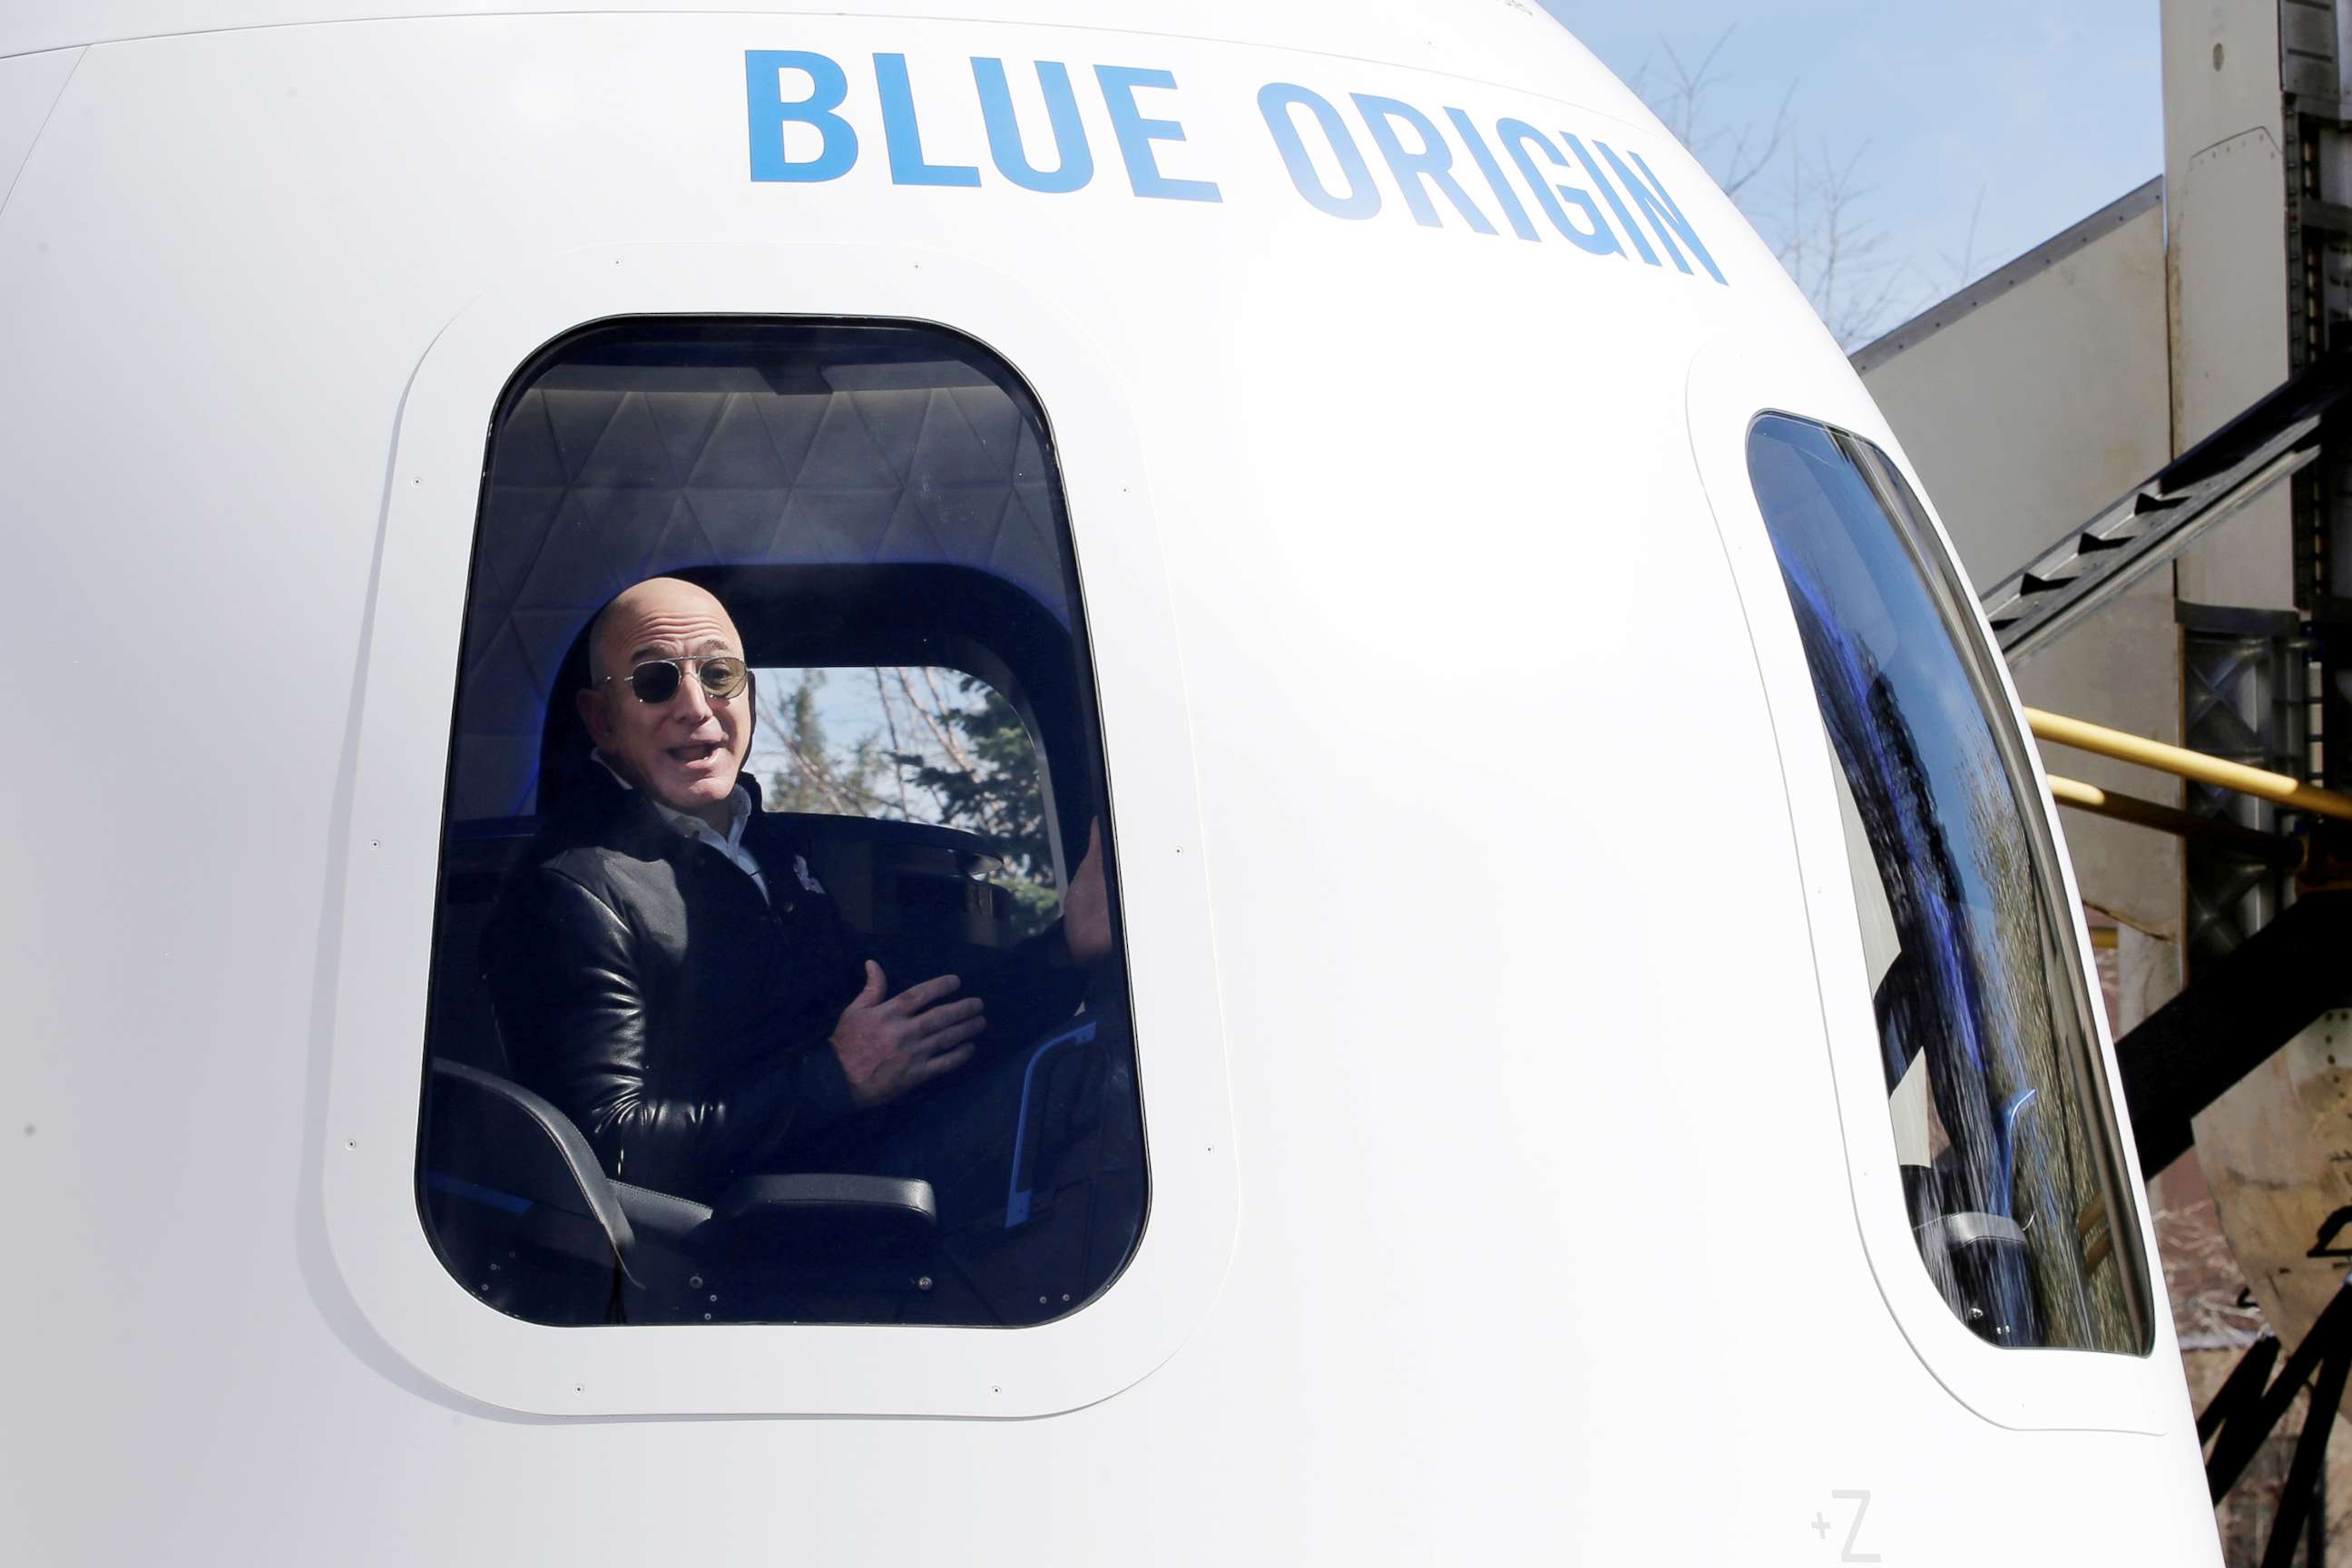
<point>657,680</point>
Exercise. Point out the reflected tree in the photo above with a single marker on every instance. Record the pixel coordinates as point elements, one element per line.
<point>914,744</point>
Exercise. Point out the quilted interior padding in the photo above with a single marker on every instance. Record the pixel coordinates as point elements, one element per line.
<point>605,474</point>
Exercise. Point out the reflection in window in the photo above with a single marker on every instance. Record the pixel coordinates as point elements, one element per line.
<point>634,1107</point>
<point>2001,1130</point>
<point>896,744</point>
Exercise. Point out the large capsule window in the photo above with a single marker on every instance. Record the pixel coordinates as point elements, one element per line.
<point>777,970</point>
<point>2002,1128</point>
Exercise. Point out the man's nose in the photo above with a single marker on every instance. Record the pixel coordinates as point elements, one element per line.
<point>692,703</point>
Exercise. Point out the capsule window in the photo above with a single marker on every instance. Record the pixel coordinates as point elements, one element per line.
<point>2003,1131</point>
<point>778,973</point>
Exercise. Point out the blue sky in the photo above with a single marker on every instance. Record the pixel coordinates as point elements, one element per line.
<point>2049,111</point>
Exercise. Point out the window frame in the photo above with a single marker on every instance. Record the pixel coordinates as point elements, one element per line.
<point>378,975</point>
<point>1732,385</point>
<point>1954,607</point>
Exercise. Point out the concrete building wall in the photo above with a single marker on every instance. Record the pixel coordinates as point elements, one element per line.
<point>2035,398</point>
<point>2225,178</point>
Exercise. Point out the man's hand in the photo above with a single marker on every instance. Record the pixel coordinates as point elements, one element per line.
<point>887,1048</point>
<point>1086,909</point>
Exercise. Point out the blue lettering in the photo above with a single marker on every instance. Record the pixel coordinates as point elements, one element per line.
<point>1077,159</point>
<point>1659,207</point>
<point>763,99</point>
<point>1274,100</point>
<point>1136,135</point>
<point>904,138</point>
<point>1624,219</point>
<point>1518,136</point>
<point>1484,159</point>
<point>1411,169</point>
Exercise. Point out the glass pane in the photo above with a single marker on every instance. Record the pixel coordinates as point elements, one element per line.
<point>759,999</point>
<point>929,745</point>
<point>2006,1145</point>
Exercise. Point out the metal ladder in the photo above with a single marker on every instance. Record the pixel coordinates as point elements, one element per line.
<point>2151,523</point>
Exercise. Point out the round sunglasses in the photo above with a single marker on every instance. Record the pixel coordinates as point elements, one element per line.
<point>657,680</point>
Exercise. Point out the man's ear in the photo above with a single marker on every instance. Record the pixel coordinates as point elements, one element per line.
<point>589,703</point>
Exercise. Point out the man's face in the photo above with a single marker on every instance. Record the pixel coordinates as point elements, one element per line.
<point>686,751</point>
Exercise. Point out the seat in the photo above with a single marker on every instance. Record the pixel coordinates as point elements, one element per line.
<point>519,1209</point>
<point>521,1212</point>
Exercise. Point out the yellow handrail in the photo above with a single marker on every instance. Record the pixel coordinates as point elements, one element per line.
<point>2261,783</point>
<point>2273,848</point>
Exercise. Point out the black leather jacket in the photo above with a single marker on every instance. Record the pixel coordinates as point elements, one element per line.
<point>684,1021</point>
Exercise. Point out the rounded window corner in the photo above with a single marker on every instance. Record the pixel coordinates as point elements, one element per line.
<point>587,1249</point>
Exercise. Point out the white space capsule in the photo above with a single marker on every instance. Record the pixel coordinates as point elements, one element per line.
<point>1594,1061</point>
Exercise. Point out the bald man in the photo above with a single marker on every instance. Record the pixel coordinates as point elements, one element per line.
<point>667,969</point>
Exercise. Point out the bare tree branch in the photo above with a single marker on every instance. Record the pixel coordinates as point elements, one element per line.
<point>934,722</point>
<point>1680,103</point>
<point>891,722</point>
<point>1813,209</point>
<point>1964,270</point>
